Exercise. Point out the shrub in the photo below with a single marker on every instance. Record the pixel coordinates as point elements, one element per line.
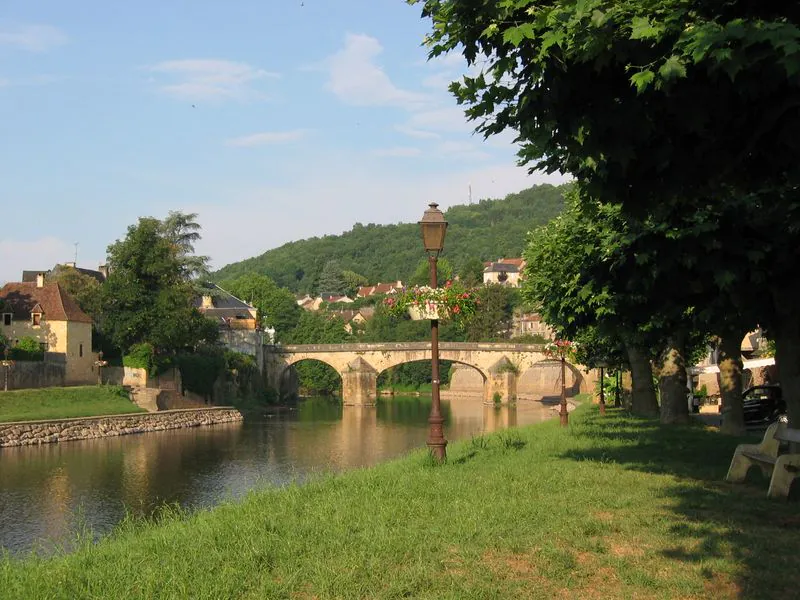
<point>201,369</point>
<point>28,348</point>
<point>139,356</point>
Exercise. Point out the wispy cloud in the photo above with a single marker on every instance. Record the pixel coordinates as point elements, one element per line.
<point>420,134</point>
<point>398,152</point>
<point>209,79</point>
<point>267,137</point>
<point>356,79</point>
<point>448,119</point>
<point>33,38</point>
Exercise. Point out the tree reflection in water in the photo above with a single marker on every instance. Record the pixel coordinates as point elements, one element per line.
<point>49,492</point>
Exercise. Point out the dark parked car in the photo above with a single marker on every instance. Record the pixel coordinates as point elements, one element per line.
<point>763,404</point>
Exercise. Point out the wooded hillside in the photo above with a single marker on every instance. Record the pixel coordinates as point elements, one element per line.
<point>487,230</point>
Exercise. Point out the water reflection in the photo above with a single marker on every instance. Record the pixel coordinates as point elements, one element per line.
<point>49,492</point>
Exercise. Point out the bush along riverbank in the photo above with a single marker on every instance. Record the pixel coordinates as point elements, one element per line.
<point>613,507</point>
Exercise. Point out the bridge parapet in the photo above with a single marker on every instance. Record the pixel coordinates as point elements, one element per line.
<point>402,346</point>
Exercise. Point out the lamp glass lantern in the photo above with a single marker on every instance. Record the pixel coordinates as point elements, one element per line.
<point>433,228</point>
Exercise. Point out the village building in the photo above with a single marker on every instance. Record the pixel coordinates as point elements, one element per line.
<point>526,323</point>
<point>237,320</point>
<point>46,313</point>
<point>100,274</point>
<point>504,271</point>
<point>354,318</point>
<point>380,288</point>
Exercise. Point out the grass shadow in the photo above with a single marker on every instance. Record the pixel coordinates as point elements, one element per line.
<point>717,521</point>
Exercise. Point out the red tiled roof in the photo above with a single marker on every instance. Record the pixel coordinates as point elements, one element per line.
<point>55,303</point>
<point>380,288</point>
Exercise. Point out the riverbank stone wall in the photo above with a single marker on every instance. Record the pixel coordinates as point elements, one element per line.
<point>63,430</point>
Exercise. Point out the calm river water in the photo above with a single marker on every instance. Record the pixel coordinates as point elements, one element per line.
<point>50,492</point>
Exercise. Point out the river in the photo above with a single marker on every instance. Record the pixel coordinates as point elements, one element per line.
<point>50,493</point>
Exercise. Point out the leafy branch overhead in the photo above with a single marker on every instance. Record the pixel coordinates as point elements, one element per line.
<point>566,75</point>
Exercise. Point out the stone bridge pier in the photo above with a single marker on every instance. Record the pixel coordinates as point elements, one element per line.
<point>359,383</point>
<point>498,365</point>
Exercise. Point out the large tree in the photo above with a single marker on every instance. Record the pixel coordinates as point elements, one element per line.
<point>147,297</point>
<point>666,107</point>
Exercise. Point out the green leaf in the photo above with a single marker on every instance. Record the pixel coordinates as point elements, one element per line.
<point>598,18</point>
<point>672,68</point>
<point>643,29</point>
<point>642,79</point>
<point>515,35</point>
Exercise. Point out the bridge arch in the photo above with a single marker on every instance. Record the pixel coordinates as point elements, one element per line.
<point>289,377</point>
<point>543,379</point>
<point>472,368</point>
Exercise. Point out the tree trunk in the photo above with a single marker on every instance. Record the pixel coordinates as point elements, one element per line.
<point>643,393</point>
<point>672,382</point>
<point>787,353</point>
<point>730,383</point>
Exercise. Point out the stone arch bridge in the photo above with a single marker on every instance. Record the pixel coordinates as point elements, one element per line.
<point>499,364</point>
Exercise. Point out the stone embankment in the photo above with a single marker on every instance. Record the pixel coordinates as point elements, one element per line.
<point>63,430</point>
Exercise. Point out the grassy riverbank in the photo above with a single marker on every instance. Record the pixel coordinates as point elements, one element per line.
<point>611,508</point>
<point>64,403</point>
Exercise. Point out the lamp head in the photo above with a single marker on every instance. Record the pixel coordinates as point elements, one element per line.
<point>433,227</point>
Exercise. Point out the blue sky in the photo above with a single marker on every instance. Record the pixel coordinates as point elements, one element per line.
<point>274,121</point>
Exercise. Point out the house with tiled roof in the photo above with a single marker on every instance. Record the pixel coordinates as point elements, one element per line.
<point>100,274</point>
<point>352,317</point>
<point>226,310</point>
<point>45,312</point>
<point>380,288</point>
<point>506,271</point>
<point>236,319</point>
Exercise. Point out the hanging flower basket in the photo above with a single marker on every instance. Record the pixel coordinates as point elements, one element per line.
<point>423,303</point>
<point>428,310</point>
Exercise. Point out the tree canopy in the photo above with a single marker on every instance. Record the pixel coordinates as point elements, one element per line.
<point>147,297</point>
<point>678,111</point>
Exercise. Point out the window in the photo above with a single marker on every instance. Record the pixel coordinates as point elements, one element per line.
<point>6,319</point>
<point>36,319</point>
<point>80,350</point>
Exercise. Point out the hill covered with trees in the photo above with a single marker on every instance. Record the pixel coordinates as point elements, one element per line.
<point>487,230</point>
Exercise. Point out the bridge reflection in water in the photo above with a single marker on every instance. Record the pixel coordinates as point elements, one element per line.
<point>49,492</point>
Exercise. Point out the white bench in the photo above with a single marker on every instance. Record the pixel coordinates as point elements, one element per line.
<point>780,468</point>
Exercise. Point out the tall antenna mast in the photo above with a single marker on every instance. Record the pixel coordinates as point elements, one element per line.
<point>470,192</point>
<point>76,254</point>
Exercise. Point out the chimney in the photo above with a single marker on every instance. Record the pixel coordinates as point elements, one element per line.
<point>103,270</point>
<point>39,280</point>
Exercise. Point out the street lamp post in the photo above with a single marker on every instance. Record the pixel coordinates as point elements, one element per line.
<point>563,413</point>
<point>433,228</point>
<point>100,363</point>
<point>603,366</point>
<point>7,364</point>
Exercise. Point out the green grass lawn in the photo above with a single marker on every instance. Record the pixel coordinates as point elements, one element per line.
<point>613,507</point>
<point>64,403</point>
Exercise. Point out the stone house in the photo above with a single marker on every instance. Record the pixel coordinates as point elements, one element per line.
<point>380,288</point>
<point>228,311</point>
<point>505,271</point>
<point>45,312</point>
<point>237,320</point>
<point>531,324</point>
<point>354,317</point>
